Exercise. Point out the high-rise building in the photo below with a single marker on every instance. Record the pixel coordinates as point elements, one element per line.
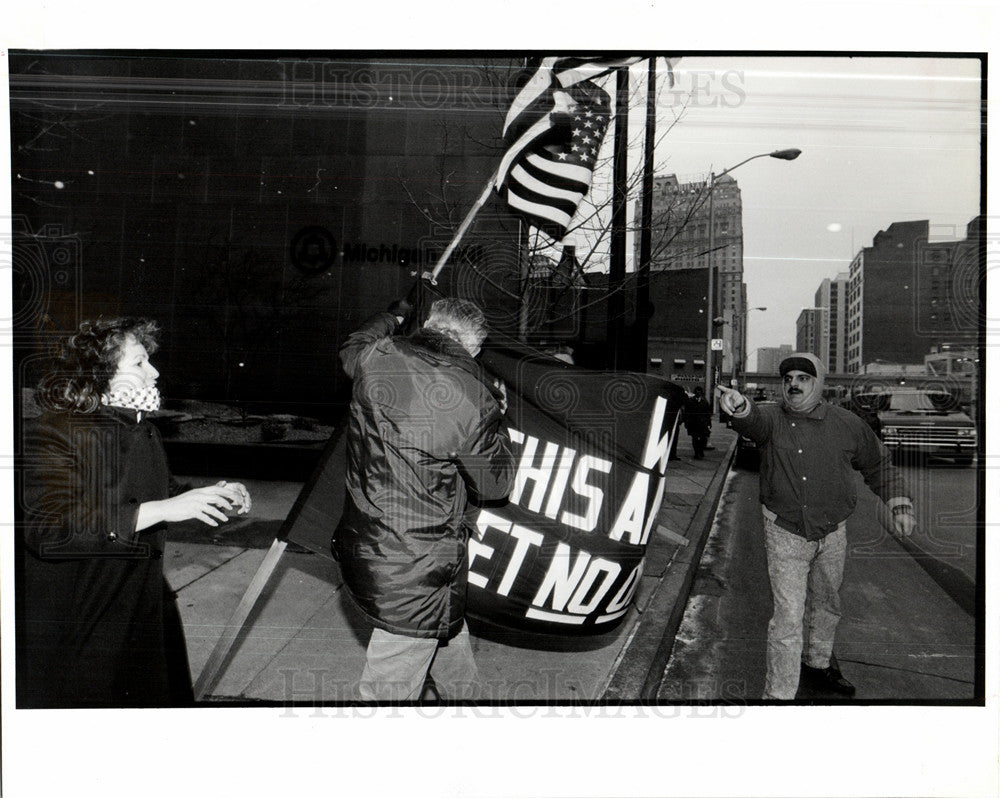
<point>770,357</point>
<point>809,331</point>
<point>681,240</point>
<point>831,296</point>
<point>908,294</point>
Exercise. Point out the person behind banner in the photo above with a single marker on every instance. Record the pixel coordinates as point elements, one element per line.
<point>809,450</point>
<point>698,421</point>
<point>97,624</point>
<point>425,433</point>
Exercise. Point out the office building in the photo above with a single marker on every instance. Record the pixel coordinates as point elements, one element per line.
<point>911,291</point>
<point>831,296</point>
<point>681,241</point>
<point>770,357</point>
<point>809,331</point>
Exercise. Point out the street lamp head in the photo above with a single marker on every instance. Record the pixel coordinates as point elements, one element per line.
<point>786,155</point>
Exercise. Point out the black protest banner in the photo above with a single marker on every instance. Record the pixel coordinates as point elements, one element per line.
<point>564,554</point>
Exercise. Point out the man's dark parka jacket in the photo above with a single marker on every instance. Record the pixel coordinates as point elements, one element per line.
<point>425,432</point>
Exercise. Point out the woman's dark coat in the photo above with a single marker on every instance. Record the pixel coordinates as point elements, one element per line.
<point>425,431</point>
<point>97,624</point>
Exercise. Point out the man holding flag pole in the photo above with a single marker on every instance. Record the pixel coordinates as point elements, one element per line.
<point>424,433</point>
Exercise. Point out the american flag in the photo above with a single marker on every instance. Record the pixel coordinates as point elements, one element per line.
<point>547,167</point>
<point>530,114</point>
<point>551,178</point>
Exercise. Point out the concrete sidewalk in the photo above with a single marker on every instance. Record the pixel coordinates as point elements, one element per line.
<point>305,643</point>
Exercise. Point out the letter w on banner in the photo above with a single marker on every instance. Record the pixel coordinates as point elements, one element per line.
<point>552,135</point>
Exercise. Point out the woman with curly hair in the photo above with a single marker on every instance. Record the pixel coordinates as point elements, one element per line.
<point>98,624</point>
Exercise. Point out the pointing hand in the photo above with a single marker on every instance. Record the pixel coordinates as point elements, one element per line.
<point>732,402</point>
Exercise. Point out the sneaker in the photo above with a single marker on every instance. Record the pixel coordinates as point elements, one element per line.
<point>829,678</point>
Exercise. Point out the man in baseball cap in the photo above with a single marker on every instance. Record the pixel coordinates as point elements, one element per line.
<point>808,450</point>
<point>802,394</point>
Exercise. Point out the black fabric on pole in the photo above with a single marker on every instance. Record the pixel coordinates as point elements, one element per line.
<point>563,556</point>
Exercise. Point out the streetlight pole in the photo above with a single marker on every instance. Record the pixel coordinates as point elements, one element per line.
<point>781,155</point>
<point>710,333</point>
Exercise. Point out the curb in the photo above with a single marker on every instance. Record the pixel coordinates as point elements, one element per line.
<point>637,673</point>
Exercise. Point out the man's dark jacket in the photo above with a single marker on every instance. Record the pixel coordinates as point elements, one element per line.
<point>697,417</point>
<point>807,465</point>
<point>425,432</point>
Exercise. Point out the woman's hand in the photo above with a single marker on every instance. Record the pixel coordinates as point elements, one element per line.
<point>241,496</point>
<point>208,505</point>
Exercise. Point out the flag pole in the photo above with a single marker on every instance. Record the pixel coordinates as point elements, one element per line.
<point>616,344</point>
<point>641,343</point>
<point>462,230</point>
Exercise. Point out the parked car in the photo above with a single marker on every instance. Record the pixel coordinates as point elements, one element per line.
<point>918,423</point>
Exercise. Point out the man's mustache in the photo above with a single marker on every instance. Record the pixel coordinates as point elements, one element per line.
<point>795,390</point>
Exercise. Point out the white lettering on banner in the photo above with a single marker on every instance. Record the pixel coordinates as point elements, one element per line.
<point>597,566</point>
<point>574,585</point>
<point>477,549</point>
<point>624,595</point>
<point>557,467</point>
<point>654,510</point>
<point>633,511</point>
<point>487,519</point>
<point>539,475</point>
<point>549,479</point>
<point>593,494</point>
<point>526,538</point>
<point>553,617</point>
<point>657,449</point>
<point>559,485</point>
<point>560,582</point>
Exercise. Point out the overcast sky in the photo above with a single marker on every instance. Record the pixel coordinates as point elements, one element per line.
<point>882,140</point>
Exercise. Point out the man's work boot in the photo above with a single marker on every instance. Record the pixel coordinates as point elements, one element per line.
<point>829,678</point>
